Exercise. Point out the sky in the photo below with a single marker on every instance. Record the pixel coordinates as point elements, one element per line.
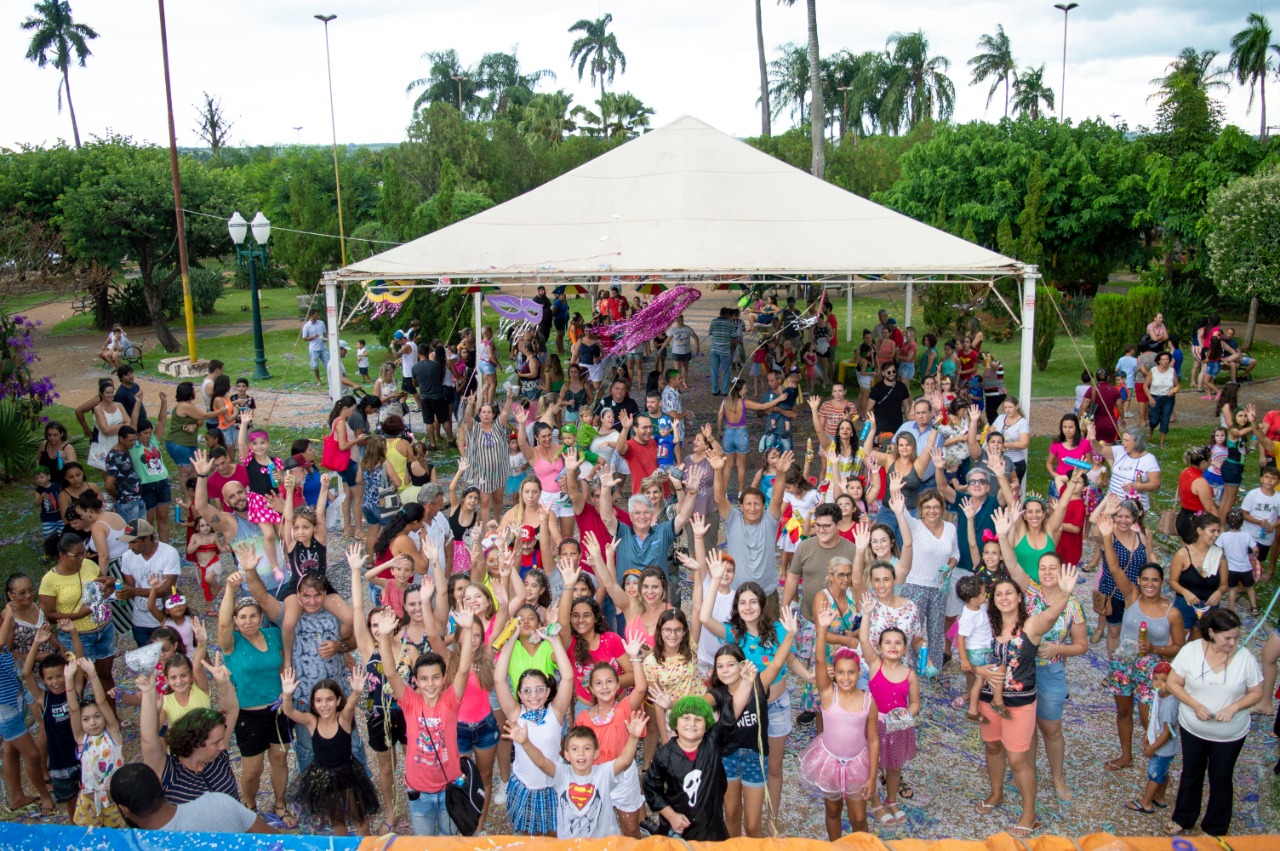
<point>267,62</point>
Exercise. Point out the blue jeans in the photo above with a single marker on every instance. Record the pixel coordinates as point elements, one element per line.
<point>720,362</point>
<point>429,816</point>
<point>1159,412</point>
<point>132,511</point>
<point>306,754</point>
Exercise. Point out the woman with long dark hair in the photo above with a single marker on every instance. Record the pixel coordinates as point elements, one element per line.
<point>394,541</point>
<point>346,441</point>
<point>591,642</point>
<point>1070,444</point>
<point>1195,494</point>
<point>1007,740</point>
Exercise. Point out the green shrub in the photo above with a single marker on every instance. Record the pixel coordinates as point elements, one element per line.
<point>937,308</point>
<point>1111,328</point>
<point>1144,303</point>
<point>129,305</point>
<point>271,276</point>
<point>20,436</point>
<point>207,286</point>
<point>1046,325</point>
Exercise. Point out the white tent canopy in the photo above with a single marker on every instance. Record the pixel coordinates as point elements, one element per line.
<point>687,200</point>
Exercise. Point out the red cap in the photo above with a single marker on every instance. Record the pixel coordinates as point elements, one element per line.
<point>528,533</point>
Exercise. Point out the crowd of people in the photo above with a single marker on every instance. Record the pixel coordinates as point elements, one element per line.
<point>610,618</point>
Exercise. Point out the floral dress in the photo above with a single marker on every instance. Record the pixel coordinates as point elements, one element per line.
<point>100,756</point>
<point>906,618</point>
<point>675,676</point>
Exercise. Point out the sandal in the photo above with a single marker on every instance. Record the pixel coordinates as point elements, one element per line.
<point>976,718</point>
<point>1173,828</point>
<point>985,809</point>
<point>881,814</point>
<point>1136,806</point>
<point>1020,832</point>
<point>1254,611</point>
<point>47,810</point>
<point>905,792</point>
<point>287,818</point>
<point>1001,710</point>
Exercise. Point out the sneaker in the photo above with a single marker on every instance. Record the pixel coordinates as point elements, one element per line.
<point>806,717</point>
<point>500,794</point>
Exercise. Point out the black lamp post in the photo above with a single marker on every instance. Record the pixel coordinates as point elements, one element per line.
<point>245,252</point>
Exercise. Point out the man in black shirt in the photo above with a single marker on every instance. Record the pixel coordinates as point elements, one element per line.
<point>428,375</point>
<point>617,401</point>
<point>889,398</point>
<point>128,392</point>
<point>544,324</point>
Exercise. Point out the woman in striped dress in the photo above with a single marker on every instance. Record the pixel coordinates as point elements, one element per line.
<point>484,444</point>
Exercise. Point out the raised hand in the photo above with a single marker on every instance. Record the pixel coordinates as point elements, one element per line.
<point>693,479</point>
<point>862,535</point>
<point>826,617</point>
<point>246,417</point>
<point>288,681</point>
<point>235,579</point>
<point>787,617</point>
<point>716,459</point>
<point>386,622</point>
<point>221,675</point>
<point>700,525</point>
<point>201,464</point>
<point>634,645</point>
<point>659,697</point>
<point>516,732</point>
<point>868,603</point>
<point>569,571</point>
<point>814,403</point>
<point>1106,526</point>
<point>898,502</point>
<point>44,633</point>
<point>522,416</point>
<point>748,671</point>
<point>784,462</point>
<point>572,461</point>
<point>359,677</point>
<point>355,558</point>
<point>248,558</point>
<point>969,508</point>
<point>638,721</point>
<point>198,632</point>
<point>1068,577</point>
<point>463,618</point>
<point>715,565</point>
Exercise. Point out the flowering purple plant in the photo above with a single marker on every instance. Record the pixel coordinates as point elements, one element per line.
<point>17,357</point>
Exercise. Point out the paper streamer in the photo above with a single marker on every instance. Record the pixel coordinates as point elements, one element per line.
<point>647,323</point>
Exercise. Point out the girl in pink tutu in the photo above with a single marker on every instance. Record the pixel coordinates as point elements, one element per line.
<point>896,691</point>
<point>838,764</point>
<point>266,475</point>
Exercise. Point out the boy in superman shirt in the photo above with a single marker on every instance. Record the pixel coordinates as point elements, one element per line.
<point>686,782</point>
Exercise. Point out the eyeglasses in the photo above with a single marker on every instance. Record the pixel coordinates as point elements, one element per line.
<point>533,691</point>
<point>826,527</point>
<point>981,481</point>
<point>843,574</point>
<point>673,630</point>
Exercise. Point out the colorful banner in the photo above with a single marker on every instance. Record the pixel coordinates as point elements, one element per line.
<point>39,837</point>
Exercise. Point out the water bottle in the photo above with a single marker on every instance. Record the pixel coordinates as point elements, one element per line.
<point>922,659</point>
<point>866,430</point>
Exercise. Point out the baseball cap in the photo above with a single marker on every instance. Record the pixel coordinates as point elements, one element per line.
<point>528,533</point>
<point>342,344</point>
<point>134,531</point>
<point>399,335</point>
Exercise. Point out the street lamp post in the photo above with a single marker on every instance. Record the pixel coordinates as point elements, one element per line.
<point>1062,93</point>
<point>458,78</point>
<point>333,124</point>
<point>246,253</point>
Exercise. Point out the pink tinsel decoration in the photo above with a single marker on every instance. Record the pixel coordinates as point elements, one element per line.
<point>649,322</point>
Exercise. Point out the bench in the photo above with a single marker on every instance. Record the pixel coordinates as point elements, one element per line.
<point>132,355</point>
<point>82,305</point>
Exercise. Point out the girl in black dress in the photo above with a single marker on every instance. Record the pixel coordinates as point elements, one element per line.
<point>335,787</point>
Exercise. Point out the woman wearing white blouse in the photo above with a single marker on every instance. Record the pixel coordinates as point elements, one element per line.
<point>1017,435</point>
<point>936,552</point>
<point>1216,682</point>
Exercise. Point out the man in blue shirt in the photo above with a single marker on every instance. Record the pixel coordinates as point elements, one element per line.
<point>644,543</point>
<point>920,427</point>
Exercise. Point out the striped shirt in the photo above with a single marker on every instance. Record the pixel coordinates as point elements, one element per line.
<point>722,332</point>
<point>182,785</point>
<point>10,687</point>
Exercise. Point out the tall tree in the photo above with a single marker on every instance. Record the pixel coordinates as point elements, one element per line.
<point>1029,91</point>
<point>546,118</point>
<point>789,80</point>
<point>441,85</point>
<point>918,87</point>
<point>1188,117</point>
<point>213,127</point>
<point>766,128</point>
<point>55,37</point>
<point>597,50</point>
<point>995,63</point>
<point>1251,50</point>
<point>504,83</point>
<point>817,112</point>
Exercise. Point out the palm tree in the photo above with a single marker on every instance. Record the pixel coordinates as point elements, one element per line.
<point>1251,61</point>
<point>1029,91</point>
<point>504,84</point>
<point>597,50</point>
<point>789,80</point>
<point>996,63</point>
<point>55,36</point>
<point>546,118</point>
<point>917,87</point>
<point>447,82</point>
<point>627,115</point>
<point>857,109</point>
<point>817,109</point>
<point>766,130</point>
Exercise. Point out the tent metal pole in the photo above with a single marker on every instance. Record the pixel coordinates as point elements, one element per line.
<point>1030,277</point>
<point>848,313</point>
<point>332,320</point>
<point>476,307</point>
<point>910,296</point>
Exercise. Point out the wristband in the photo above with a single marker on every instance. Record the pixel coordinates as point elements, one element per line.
<point>205,476</point>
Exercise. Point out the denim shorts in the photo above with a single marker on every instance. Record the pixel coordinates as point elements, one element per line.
<point>906,371</point>
<point>780,720</point>
<point>745,766</point>
<point>133,511</point>
<point>156,493</point>
<point>1051,690</point>
<point>1212,368</point>
<point>480,736</point>
<point>13,724</point>
<point>372,516</point>
<point>181,455</point>
<point>736,440</point>
<point>97,645</point>
<point>348,475</point>
<point>1158,768</point>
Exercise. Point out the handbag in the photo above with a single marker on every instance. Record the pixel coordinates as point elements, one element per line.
<point>333,457</point>
<point>389,502</point>
<point>464,797</point>
<point>1168,524</point>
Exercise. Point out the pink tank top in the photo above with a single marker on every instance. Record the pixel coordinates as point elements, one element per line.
<point>888,694</point>
<point>844,732</point>
<point>547,473</point>
<point>475,701</point>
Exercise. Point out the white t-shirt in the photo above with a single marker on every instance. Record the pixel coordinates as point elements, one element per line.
<point>1215,690</point>
<point>585,804</point>
<point>1262,507</point>
<point>931,554</point>
<point>1011,434</point>
<point>408,360</point>
<point>212,812</point>
<point>708,642</point>
<point>441,530</point>
<point>1235,546</point>
<point>681,337</point>
<point>1125,470</point>
<point>163,562</point>
<point>975,626</point>
<point>314,328</point>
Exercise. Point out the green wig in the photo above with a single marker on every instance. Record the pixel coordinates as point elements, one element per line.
<point>690,706</point>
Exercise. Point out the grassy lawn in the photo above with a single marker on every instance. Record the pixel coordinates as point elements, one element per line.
<point>232,308</point>
<point>26,301</point>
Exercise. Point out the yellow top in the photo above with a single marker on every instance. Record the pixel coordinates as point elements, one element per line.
<point>68,591</point>
<point>198,699</point>
<point>398,462</point>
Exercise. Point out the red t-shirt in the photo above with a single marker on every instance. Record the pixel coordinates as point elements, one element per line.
<point>217,481</point>
<point>1071,545</point>
<point>968,363</point>
<point>589,520</point>
<point>898,336</point>
<point>611,649</point>
<point>432,753</point>
<point>642,459</point>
